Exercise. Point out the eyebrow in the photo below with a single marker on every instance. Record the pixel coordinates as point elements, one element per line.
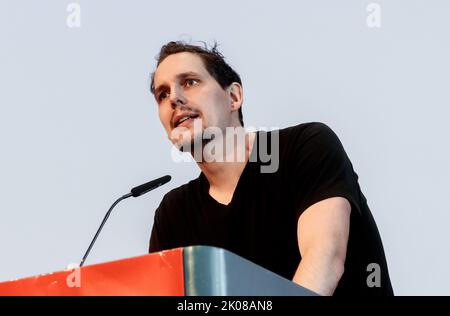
<point>180,76</point>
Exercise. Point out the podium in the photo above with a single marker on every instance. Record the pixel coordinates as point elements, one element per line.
<point>189,271</point>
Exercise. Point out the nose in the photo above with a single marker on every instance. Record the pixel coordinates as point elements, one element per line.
<point>177,97</point>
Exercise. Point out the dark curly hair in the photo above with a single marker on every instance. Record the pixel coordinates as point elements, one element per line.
<point>213,61</point>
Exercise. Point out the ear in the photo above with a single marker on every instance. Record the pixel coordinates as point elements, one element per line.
<point>236,94</point>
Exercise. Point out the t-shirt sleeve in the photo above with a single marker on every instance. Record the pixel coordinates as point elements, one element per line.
<point>321,169</point>
<point>159,231</point>
<point>155,243</point>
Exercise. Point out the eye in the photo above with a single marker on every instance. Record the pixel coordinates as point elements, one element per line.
<point>162,96</point>
<point>191,82</point>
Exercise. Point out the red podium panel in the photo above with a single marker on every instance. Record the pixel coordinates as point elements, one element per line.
<point>135,276</point>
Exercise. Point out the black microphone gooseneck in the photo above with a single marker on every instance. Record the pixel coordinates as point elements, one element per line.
<point>135,192</point>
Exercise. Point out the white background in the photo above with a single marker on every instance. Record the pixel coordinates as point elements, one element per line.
<point>79,128</point>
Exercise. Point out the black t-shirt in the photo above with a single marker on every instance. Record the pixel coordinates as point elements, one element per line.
<point>260,222</point>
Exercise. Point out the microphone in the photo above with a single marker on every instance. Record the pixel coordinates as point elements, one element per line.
<point>147,187</point>
<point>135,192</point>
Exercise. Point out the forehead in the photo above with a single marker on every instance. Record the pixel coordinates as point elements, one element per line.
<point>176,64</point>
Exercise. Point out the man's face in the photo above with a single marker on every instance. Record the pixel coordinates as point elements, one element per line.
<point>186,92</point>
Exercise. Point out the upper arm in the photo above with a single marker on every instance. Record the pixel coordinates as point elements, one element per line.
<point>323,229</point>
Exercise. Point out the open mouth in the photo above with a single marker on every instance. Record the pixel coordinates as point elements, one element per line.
<point>186,120</point>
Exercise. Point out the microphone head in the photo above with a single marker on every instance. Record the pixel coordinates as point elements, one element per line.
<point>147,187</point>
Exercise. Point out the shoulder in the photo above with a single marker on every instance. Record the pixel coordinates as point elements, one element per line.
<point>176,199</point>
<point>309,134</point>
<point>307,129</point>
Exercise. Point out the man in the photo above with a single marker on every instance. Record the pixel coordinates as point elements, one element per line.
<point>307,221</point>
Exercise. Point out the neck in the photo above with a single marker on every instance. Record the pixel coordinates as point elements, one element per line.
<point>224,175</point>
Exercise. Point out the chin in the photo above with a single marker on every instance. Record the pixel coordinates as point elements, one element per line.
<point>187,144</point>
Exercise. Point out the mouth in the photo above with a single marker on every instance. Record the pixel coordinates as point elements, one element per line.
<point>185,120</point>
